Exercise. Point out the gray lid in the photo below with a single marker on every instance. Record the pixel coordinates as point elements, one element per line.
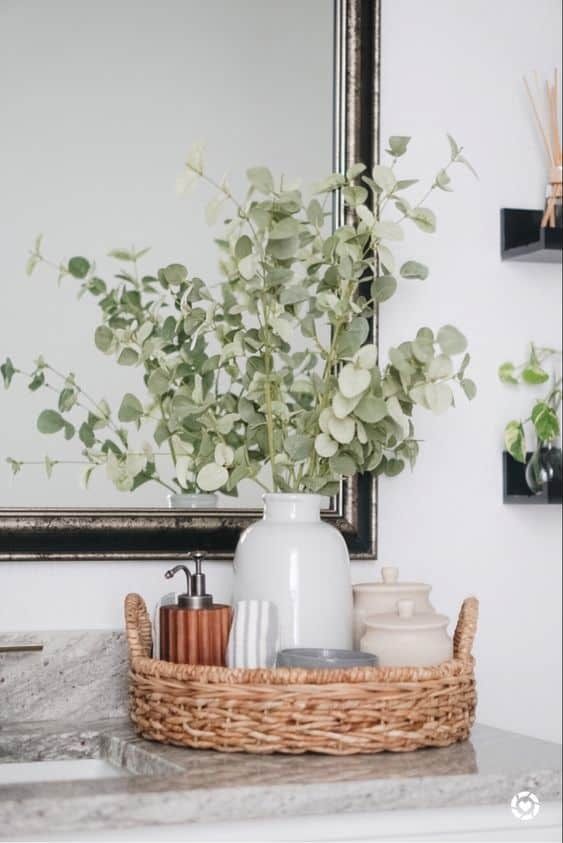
<point>196,596</point>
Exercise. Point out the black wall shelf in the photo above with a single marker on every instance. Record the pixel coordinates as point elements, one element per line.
<point>523,239</point>
<point>515,489</point>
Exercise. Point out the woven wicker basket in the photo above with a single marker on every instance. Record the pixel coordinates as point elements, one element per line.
<point>336,712</point>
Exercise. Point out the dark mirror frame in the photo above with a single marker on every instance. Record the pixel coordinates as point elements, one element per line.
<point>146,534</point>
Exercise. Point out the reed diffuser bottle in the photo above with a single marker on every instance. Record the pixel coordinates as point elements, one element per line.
<point>195,630</point>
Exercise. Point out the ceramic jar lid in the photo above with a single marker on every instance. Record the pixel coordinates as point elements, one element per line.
<point>406,618</point>
<point>390,582</point>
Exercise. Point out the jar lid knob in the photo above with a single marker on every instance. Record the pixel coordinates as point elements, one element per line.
<point>389,574</point>
<point>405,608</point>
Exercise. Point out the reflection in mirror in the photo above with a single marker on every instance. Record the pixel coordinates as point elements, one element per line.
<point>100,110</point>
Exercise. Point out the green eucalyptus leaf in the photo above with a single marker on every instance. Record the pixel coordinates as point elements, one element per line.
<point>315,213</point>
<point>174,274</point>
<point>423,345</point>
<point>352,337</point>
<point>439,397</point>
<point>414,269</point>
<point>298,447</point>
<point>86,435</point>
<point>343,465</point>
<point>128,357</point>
<point>8,371</point>
<point>103,338</point>
<point>294,295</point>
<point>371,409</point>
<point>398,145</point>
<point>440,367</point>
<point>49,466</point>
<point>443,180</point>
<point>354,171</point>
<point>67,399</point>
<point>131,409</point>
<point>383,287</point>
<point>393,467</point>
<point>462,160</point>
<point>122,255</point>
<point>243,247</point>
<point>261,179</point>
<point>424,218</point>
<point>384,230</point>
<point>158,382</point>
<point>451,341</point>
<point>404,184</point>
<point>454,147</point>
<point>37,381</point>
<point>15,465</point>
<point>469,388</point>
<point>384,177</point>
<point>69,430</point>
<point>78,267</point>
<point>96,286</point>
<point>355,195</point>
<point>49,421</point>
<point>283,249</point>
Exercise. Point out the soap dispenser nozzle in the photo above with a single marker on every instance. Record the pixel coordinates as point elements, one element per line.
<point>169,574</point>
<point>196,596</point>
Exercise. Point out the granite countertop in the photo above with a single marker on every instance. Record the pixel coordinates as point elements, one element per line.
<point>174,785</point>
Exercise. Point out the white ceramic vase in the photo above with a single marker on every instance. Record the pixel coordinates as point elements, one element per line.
<point>301,564</point>
<point>199,500</point>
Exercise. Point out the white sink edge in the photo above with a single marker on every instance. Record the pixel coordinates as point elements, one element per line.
<point>58,771</point>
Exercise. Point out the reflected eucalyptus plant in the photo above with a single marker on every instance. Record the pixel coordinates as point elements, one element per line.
<point>251,377</point>
<point>163,324</point>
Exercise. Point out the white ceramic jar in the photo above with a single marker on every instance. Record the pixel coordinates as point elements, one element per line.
<point>376,598</point>
<point>407,639</point>
<point>301,564</point>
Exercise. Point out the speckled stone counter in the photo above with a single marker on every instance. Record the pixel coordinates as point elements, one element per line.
<point>173,785</point>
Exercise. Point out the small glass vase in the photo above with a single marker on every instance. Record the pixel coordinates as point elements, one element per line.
<point>543,466</point>
<point>196,500</point>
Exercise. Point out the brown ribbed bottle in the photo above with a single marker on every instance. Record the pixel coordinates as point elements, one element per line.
<point>196,630</point>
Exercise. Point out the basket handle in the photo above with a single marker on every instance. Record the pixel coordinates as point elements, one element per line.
<point>466,628</point>
<point>138,626</point>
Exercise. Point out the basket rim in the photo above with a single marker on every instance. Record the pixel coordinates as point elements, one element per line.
<point>139,637</point>
<point>145,667</point>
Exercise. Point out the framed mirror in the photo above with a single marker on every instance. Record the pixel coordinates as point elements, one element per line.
<point>98,113</point>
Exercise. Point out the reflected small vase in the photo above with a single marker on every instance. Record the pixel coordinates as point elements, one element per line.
<point>198,500</point>
<point>294,559</point>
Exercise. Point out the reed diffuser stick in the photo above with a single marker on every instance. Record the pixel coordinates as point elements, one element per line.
<point>551,136</point>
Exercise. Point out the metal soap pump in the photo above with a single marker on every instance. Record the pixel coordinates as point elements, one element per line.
<point>195,630</point>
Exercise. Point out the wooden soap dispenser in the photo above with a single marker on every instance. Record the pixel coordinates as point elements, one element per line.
<point>195,630</point>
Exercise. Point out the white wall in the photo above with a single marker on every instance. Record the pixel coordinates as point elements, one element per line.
<point>456,67</point>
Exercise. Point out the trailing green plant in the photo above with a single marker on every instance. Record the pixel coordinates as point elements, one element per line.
<point>252,377</point>
<point>543,418</point>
